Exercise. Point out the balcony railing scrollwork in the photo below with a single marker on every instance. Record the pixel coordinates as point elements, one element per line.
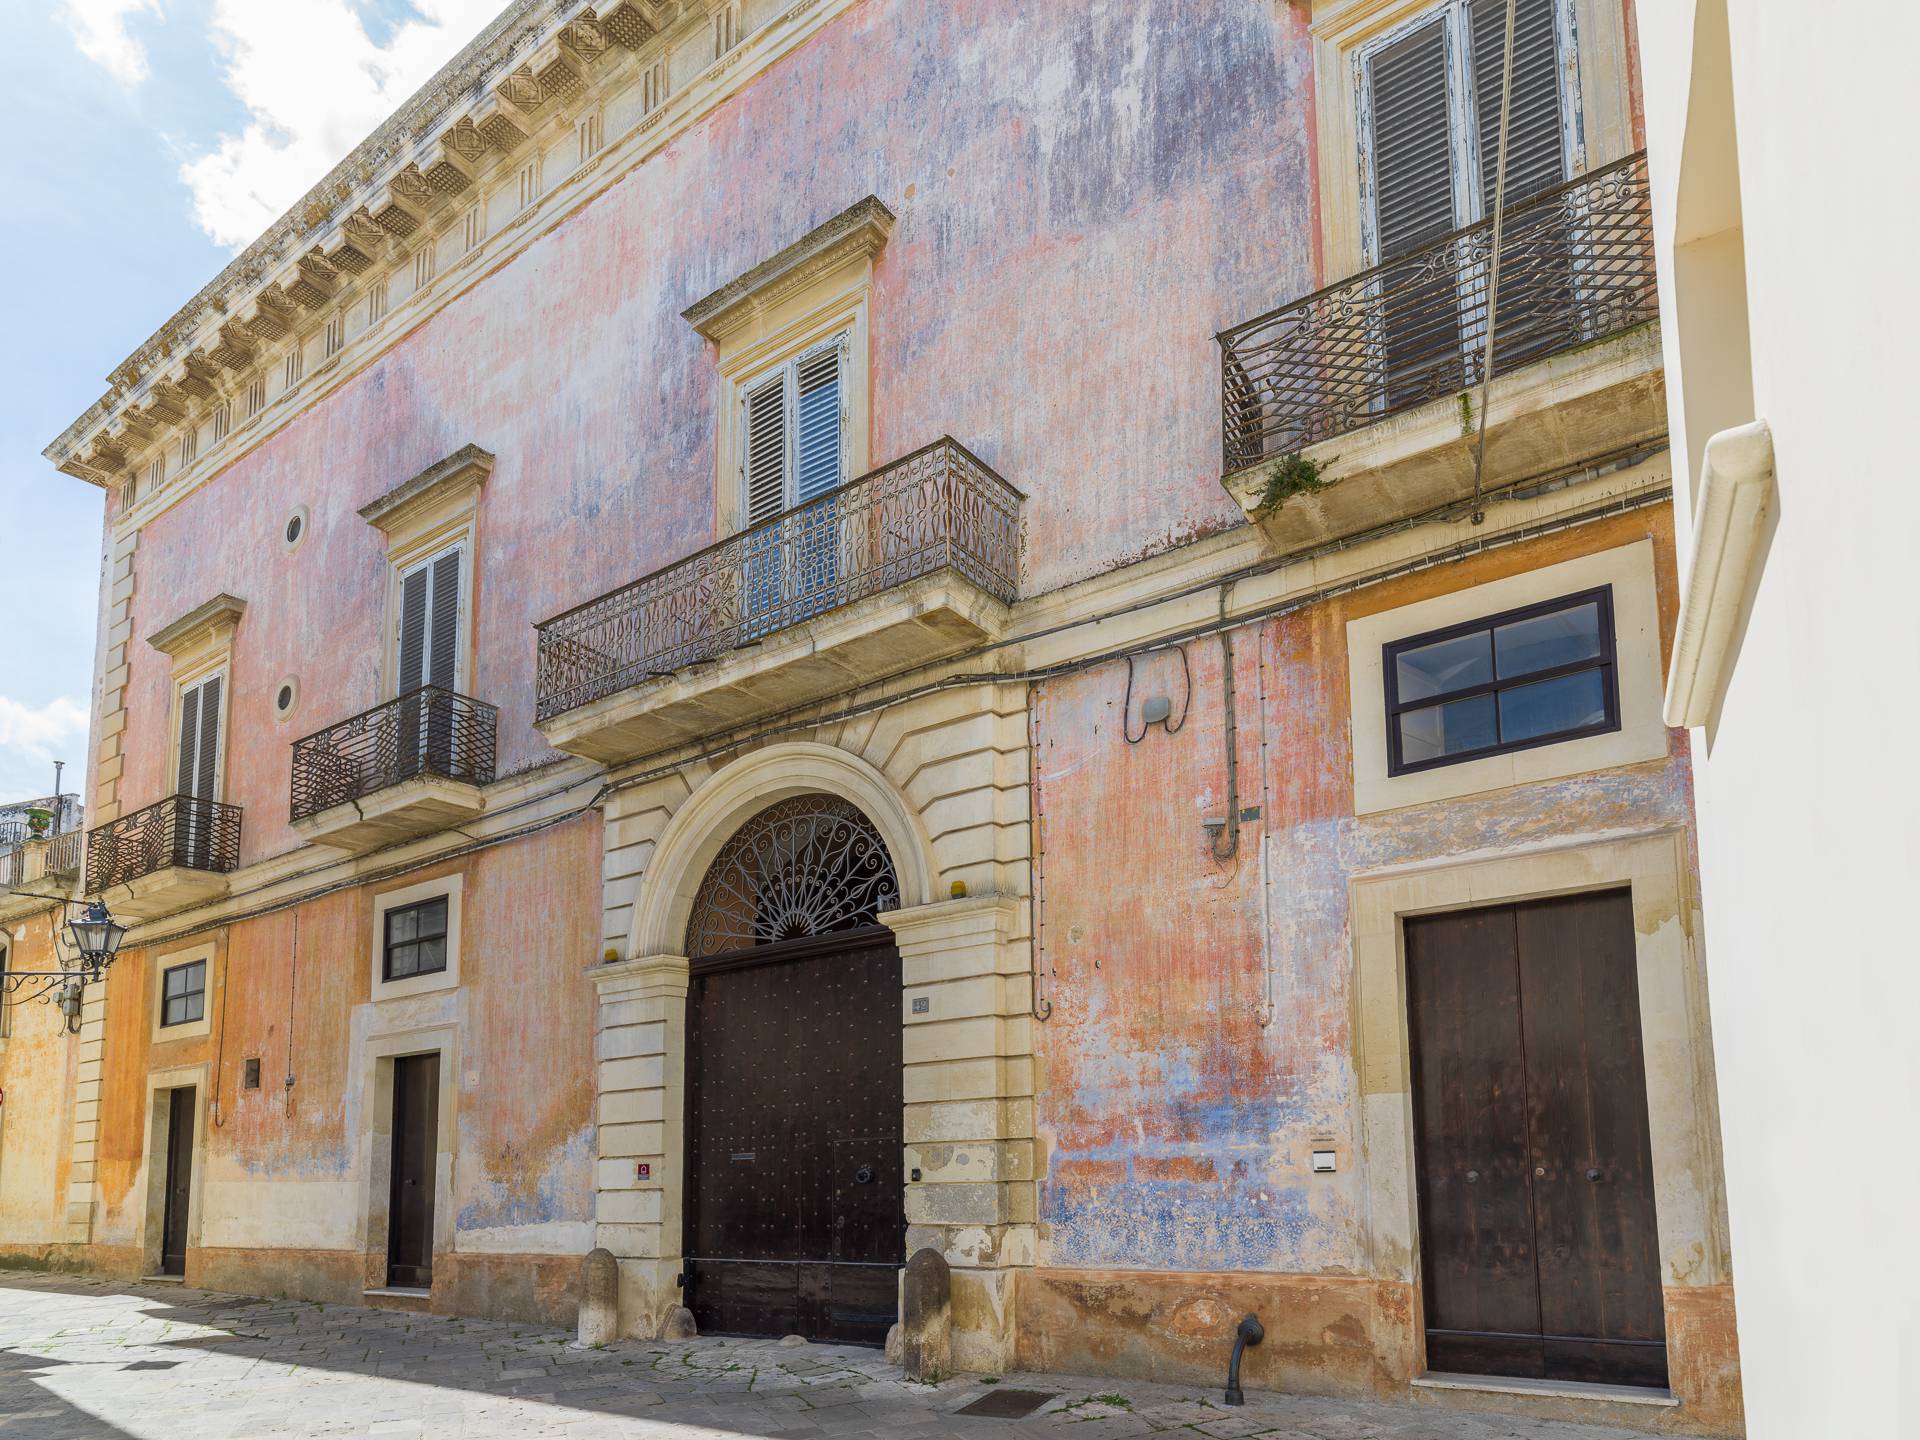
<point>428,731</point>
<point>938,508</point>
<point>186,831</point>
<point>1576,265</point>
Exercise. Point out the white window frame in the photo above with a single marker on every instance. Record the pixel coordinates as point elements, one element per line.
<point>1469,207</point>
<point>187,1030</point>
<point>1640,736</point>
<point>788,370</point>
<point>448,886</point>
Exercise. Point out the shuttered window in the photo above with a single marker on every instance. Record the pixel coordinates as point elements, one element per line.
<point>793,427</point>
<point>1536,129</point>
<point>429,639</point>
<point>199,768</point>
<point>1431,118</point>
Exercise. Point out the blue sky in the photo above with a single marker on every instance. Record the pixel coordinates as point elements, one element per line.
<point>154,139</point>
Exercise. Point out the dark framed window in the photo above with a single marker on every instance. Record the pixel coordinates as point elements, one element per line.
<point>416,940</point>
<point>183,993</point>
<point>1528,677</point>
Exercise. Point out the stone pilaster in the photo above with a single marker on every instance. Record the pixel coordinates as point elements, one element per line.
<point>640,1061</point>
<point>82,1189</point>
<point>966,968</point>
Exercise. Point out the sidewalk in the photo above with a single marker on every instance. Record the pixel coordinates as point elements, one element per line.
<point>83,1359</point>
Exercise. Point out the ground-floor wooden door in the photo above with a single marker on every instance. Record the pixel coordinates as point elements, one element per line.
<point>179,1192</point>
<point>795,1204</point>
<point>1538,1249</point>
<point>416,1115</point>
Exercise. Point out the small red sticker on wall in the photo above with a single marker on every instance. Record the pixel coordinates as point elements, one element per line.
<point>643,1171</point>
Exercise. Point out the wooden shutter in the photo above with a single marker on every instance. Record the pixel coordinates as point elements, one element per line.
<point>817,449</point>
<point>1411,141</point>
<point>198,773</point>
<point>413,631</point>
<point>1536,152</point>
<point>189,740</point>
<point>205,778</point>
<point>764,469</point>
<point>444,623</point>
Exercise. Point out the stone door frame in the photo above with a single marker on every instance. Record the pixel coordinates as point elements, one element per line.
<point>966,1050</point>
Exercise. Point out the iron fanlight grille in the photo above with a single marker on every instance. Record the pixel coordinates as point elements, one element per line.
<point>807,866</point>
<point>1576,265</point>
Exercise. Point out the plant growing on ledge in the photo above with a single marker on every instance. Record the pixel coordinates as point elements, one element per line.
<point>1289,476</point>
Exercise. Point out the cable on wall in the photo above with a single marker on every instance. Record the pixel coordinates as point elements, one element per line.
<point>293,981</point>
<point>1171,726</point>
<point>1493,264</point>
<point>220,1050</point>
<point>775,726</point>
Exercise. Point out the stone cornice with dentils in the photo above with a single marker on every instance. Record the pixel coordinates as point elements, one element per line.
<point>489,97</point>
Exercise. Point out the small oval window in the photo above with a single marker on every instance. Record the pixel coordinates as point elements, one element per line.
<point>285,698</point>
<point>294,526</point>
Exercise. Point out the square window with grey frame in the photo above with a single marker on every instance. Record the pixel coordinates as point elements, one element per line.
<point>183,993</point>
<point>1527,677</point>
<point>415,940</point>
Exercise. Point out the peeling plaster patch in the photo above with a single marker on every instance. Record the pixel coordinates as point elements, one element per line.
<point>525,1185</point>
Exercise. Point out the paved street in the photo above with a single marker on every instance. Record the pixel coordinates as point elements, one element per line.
<point>92,1360</point>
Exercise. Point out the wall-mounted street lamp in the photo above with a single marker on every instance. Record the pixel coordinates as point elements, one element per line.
<point>95,936</point>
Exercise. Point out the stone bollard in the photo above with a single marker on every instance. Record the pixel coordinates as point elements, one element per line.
<point>599,1298</point>
<point>679,1324</point>
<point>926,1318</point>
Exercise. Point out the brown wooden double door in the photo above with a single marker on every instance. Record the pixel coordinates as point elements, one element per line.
<point>795,1207</point>
<point>1537,1239</point>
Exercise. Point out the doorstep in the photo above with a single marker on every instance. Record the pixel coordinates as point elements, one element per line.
<point>1545,1389</point>
<point>399,1297</point>
<point>163,1279</point>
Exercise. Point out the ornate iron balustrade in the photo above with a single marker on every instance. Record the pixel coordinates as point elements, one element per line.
<point>429,731</point>
<point>936,509</point>
<point>1576,265</point>
<point>182,830</point>
<point>65,853</point>
<point>13,867</point>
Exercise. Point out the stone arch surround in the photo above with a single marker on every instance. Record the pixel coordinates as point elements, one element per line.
<point>944,780</point>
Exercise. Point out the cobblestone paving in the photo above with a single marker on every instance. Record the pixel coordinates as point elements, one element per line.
<point>93,1360</point>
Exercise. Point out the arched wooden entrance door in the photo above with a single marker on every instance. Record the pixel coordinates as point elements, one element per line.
<point>795,1203</point>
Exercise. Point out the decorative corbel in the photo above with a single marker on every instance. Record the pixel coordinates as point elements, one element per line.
<point>493,123</point>
<point>628,24</point>
<point>444,169</point>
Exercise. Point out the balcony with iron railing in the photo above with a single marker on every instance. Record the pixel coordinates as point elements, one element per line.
<point>35,869</point>
<point>411,766</point>
<point>913,562</point>
<point>166,857</point>
<point>1376,379</point>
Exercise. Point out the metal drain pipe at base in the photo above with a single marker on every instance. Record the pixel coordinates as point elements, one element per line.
<point>1251,1332</point>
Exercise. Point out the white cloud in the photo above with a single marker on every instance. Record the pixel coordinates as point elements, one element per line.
<point>32,739</point>
<point>314,85</point>
<point>100,30</point>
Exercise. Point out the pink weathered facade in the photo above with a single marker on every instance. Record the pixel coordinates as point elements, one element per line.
<point>1146,1088</point>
